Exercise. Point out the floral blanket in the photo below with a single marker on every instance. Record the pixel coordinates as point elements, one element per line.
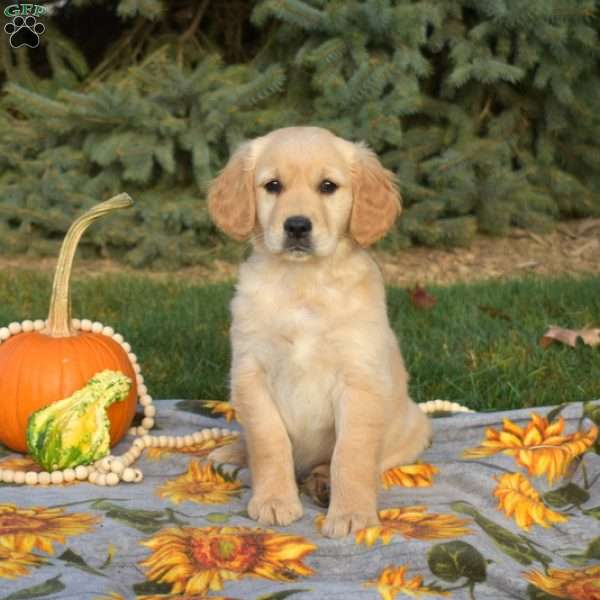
<point>503,505</point>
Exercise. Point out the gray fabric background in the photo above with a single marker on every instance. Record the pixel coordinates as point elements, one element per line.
<point>341,566</point>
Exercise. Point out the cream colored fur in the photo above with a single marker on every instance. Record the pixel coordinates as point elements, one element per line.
<point>317,376</point>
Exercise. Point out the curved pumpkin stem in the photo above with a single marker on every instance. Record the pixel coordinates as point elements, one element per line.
<point>59,315</point>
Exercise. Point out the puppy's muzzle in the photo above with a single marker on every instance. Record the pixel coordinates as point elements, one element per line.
<point>297,233</point>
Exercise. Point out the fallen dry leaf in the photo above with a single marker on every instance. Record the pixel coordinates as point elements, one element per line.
<point>589,336</point>
<point>421,298</point>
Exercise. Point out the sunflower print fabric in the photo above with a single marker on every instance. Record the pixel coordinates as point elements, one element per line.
<point>503,505</point>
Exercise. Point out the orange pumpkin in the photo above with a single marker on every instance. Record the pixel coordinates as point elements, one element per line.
<point>38,368</point>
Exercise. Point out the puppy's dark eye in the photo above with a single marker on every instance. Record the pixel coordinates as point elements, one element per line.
<point>327,187</point>
<point>274,186</point>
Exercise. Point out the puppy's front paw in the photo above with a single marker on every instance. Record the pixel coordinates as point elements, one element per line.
<point>274,510</point>
<point>340,525</point>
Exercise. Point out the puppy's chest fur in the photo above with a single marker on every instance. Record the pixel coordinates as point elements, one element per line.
<point>292,331</point>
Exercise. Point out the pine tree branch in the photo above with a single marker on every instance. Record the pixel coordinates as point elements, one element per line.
<point>55,221</point>
<point>485,114</point>
<point>6,57</point>
<point>189,32</point>
<point>486,109</point>
<point>116,52</point>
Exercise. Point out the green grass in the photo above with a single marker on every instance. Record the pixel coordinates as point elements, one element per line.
<point>454,351</point>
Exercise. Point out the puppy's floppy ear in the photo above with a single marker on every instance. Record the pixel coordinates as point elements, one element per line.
<point>376,199</point>
<point>231,199</point>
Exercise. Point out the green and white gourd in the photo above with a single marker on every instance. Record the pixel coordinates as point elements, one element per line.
<point>75,430</point>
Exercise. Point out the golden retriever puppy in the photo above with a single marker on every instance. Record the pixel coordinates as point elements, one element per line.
<point>317,377</point>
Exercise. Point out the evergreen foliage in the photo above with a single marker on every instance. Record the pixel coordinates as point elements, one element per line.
<point>487,112</point>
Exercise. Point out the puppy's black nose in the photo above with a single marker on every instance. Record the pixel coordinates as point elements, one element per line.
<point>297,226</point>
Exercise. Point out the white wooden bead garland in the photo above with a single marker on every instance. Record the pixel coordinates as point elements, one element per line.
<point>432,406</point>
<point>109,470</point>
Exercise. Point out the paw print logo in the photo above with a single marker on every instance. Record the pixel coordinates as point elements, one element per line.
<point>24,31</point>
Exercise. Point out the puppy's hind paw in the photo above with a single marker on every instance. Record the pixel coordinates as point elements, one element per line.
<point>275,511</point>
<point>231,454</point>
<point>317,485</point>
